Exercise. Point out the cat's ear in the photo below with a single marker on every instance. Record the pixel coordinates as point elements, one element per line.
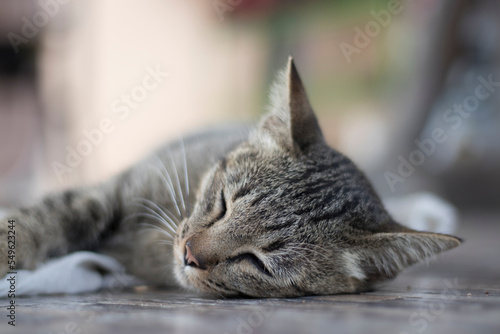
<point>383,255</point>
<point>292,120</point>
<point>304,127</point>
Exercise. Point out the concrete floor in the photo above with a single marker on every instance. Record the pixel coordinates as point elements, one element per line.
<point>457,293</point>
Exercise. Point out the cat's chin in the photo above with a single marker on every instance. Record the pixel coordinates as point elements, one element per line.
<point>179,268</point>
<point>188,277</point>
<point>183,278</point>
<point>192,279</point>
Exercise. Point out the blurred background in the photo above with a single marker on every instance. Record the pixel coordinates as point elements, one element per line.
<point>409,90</point>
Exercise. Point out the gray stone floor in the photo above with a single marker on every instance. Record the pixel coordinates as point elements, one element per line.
<point>457,293</point>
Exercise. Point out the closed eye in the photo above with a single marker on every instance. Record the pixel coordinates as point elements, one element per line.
<point>223,206</point>
<point>254,260</point>
<point>222,210</point>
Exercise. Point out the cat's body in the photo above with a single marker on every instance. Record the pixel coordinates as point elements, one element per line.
<point>115,217</point>
<point>269,211</point>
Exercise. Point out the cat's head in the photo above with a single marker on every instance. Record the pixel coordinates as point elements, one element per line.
<point>285,215</point>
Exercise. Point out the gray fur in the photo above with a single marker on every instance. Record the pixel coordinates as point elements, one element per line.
<point>270,213</point>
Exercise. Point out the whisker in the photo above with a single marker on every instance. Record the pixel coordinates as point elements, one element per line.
<point>166,242</point>
<point>186,176</point>
<point>170,216</point>
<point>299,254</point>
<point>322,251</point>
<point>247,127</point>
<point>157,218</point>
<point>169,183</point>
<point>160,218</point>
<point>181,194</point>
<point>165,232</point>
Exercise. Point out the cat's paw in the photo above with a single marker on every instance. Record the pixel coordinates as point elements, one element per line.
<point>424,212</point>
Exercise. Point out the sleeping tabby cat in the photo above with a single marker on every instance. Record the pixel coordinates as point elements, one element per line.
<point>264,212</point>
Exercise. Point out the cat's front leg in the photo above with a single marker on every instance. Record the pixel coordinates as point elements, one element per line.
<point>58,224</point>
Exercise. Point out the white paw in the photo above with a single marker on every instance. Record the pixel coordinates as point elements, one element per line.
<point>424,212</point>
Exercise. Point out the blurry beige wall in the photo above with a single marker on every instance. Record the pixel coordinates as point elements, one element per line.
<point>95,51</point>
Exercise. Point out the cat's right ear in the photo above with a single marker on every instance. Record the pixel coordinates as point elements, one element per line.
<point>291,121</point>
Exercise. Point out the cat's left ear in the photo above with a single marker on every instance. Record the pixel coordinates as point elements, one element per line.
<point>383,255</point>
<point>292,120</point>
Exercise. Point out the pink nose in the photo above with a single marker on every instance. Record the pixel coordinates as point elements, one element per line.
<point>189,259</point>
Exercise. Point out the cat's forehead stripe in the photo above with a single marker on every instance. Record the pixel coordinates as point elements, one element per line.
<point>273,246</point>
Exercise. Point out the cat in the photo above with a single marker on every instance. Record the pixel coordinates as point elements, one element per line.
<point>270,211</point>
